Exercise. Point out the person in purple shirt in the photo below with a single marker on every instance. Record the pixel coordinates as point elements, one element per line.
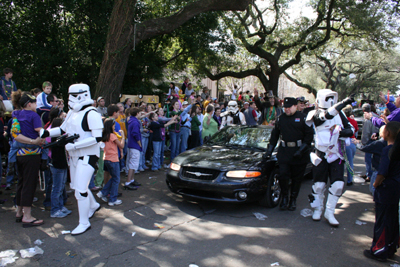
<point>134,147</point>
<point>394,112</point>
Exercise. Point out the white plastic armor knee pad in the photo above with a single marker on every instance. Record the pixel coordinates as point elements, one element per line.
<point>319,187</point>
<point>80,196</point>
<point>336,188</point>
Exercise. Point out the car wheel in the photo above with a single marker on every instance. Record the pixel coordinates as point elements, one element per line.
<point>171,188</point>
<point>272,196</point>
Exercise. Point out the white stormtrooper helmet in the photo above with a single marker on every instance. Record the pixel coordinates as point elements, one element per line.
<point>232,106</point>
<point>326,98</point>
<point>79,96</point>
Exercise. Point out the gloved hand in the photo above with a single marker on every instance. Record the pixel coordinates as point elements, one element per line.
<point>44,133</point>
<point>297,154</point>
<point>268,154</point>
<point>349,100</point>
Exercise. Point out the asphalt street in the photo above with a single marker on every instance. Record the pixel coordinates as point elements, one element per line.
<point>154,227</point>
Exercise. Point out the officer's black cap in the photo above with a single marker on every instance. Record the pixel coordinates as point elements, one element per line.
<point>289,101</point>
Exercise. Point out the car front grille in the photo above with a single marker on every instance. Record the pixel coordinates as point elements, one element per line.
<point>199,173</point>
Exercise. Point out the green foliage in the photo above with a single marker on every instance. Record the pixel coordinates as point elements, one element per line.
<point>63,41</point>
<point>58,41</point>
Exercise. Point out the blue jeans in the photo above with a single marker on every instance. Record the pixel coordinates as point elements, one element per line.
<point>351,152</point>
<point>175,143</point>
<point>184,138</point>
<point>49,185</point>
<point>162,152</point>
<point>122,162</point>
<point>91,183</point>
<point>373,178</point>
<point>201,139</point>
<point>145,142</point>
<point>57,196</point>
<point>156,155</point>
<point>111,187</point>
<point>368,164</point>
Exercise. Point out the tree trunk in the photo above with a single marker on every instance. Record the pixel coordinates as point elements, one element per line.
<point>116,53</point>
<point>121,35</point>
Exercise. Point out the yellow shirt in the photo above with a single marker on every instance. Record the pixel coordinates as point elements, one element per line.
<point>121,120</point>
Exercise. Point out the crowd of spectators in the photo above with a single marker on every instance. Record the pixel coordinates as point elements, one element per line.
<point>137,135</point>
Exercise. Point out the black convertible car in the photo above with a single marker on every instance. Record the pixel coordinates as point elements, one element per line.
<point>230,167</point>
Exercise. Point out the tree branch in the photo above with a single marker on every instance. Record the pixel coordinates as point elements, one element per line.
<point>155,27</point>
<point>309,88</point>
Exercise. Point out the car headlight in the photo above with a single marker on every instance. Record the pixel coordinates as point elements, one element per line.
<point>242,174</point>
<point>175,167</point>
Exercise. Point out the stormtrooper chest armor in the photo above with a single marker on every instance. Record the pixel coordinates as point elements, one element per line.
<point>75,123</point>
<point>323,134</point>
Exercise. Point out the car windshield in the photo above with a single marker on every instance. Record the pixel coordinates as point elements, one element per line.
<point>358,113</point>
<point>253,137</point>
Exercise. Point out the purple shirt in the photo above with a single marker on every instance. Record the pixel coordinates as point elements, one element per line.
<point>134,133</point>
<point>394,116</point>
<point>28,121</point>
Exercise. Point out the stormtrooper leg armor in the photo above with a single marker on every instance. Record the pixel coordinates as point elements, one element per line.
<point>81,173</point>
<point>335,191</point>
<point>317,200</point>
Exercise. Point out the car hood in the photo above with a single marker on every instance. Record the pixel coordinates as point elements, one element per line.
<point>219,157</point>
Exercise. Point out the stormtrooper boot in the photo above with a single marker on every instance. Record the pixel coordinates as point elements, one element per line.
<point>94,206</point>
<point>330,210</point>
<point>84,208</point>
<point>320,208</point>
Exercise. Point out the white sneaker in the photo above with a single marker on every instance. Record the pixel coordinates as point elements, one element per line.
<point>100,195</point>
<point>115,203</point>
<point>58,214</point>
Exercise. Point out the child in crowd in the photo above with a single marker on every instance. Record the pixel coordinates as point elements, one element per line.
<point>42,97</point>
<point>386,197</point>
<point>134,147</point>
<point>59,169</point>
<point>375,148</point>
<point>192,98</point>
<point>35,92</point>
<point>162,118</point>
<point>157,128</point>
<point>145,132</point>
<point>111,162</point>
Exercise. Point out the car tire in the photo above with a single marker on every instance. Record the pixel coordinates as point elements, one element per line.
<point>171,188</point>
<point>273,194</point>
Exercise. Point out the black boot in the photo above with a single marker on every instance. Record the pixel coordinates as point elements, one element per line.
<point>292,203</point>
<point>11,166</point>
<point>284,202</point>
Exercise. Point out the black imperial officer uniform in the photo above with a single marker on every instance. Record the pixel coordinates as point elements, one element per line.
<point>294,150</point>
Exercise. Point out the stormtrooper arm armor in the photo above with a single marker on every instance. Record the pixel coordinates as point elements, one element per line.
<point>335,109</point>
<point>348,129</point>
<point>242,118</point>
<point>223,123</point>
<point>53,132</point>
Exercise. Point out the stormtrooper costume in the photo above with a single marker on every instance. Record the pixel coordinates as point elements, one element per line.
<point>332,130</point>
<point>232,115</point>
<point>82,119</point>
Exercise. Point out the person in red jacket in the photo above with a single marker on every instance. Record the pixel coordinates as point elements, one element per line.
<point>351,149</point>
